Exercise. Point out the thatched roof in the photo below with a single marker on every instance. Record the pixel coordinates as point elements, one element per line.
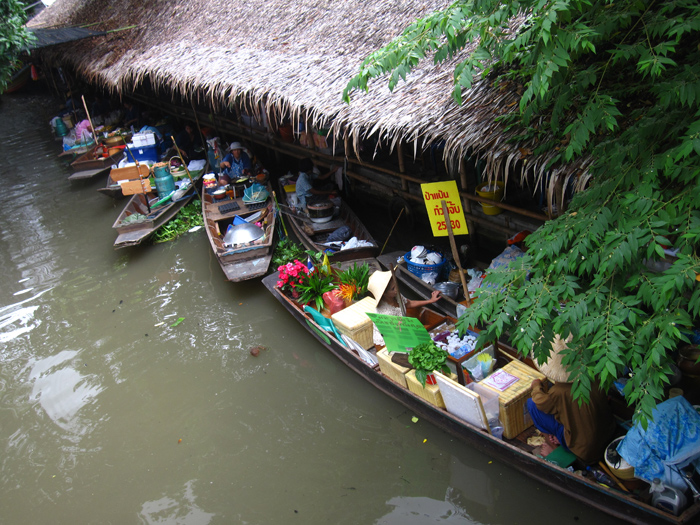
<point>296,56</point>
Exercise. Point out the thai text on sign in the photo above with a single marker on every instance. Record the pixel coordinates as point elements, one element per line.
<point>433,195</point>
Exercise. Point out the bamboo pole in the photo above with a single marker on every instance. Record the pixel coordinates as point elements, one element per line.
<point>455,254</point>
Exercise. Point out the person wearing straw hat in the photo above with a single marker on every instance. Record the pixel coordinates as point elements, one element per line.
<point>584,429</point>
<point>236,163</point>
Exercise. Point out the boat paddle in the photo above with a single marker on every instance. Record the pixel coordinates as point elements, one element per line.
<point>145,193</point>
<point>455,254</point>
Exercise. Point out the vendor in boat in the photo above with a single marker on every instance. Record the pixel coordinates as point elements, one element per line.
<point>132,115</point>
<point>311,185</point>
<point>235,165</point>
<point>584,429</point>
<point>382,285</point>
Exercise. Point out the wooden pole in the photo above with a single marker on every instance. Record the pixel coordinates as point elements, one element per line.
<point>92,128</point>
<point>136,161</point>
<point>455,254</point>
<point>183,160</point>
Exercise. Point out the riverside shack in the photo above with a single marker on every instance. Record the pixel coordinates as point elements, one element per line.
<point>274,72</point>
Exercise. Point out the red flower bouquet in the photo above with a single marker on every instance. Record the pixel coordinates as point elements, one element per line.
<point>291,275</point>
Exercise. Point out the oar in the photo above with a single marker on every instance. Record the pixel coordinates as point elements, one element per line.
<point>455,254</point>
<point>183,160</point>
<point>138,169</point>
<point>398,293</point>
<point>94,135</point>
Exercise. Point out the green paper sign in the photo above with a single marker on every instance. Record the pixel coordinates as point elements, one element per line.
<point>400,333</point>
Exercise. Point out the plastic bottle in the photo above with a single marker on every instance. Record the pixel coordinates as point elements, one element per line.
<point>601,477</point>
<point>667,498</point>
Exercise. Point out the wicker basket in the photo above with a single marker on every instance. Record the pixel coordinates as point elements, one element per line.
<point>512,401</point>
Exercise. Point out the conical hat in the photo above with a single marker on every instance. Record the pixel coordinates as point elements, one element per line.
<point>553,367</point>
<point>377,284</point>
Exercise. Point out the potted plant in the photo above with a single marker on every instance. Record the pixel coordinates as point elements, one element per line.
<point>291,276</point>
<point>426,358</point>
<point>314,286</point>
<point>353,281</point>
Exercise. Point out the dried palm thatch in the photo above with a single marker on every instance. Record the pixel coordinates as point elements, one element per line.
<point>296,58</point>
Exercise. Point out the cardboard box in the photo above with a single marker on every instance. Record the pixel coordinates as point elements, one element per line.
<point>396,373</point>
<point>353,322</point>
<point>512,401</point>
<point>132,179</point>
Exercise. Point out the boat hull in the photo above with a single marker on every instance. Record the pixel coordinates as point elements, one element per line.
<point>612,502</point>
<point>243,262</point>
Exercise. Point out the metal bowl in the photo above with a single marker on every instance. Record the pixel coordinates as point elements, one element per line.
<point>242,234</point>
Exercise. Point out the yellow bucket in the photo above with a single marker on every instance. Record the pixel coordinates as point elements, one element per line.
<point>494,195</point>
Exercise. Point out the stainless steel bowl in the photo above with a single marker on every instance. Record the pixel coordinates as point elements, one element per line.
<point>243,233</point>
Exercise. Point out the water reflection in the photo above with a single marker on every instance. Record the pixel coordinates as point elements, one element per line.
<point>180,511</point>
<point>62,391</point>
<point>18,318</point>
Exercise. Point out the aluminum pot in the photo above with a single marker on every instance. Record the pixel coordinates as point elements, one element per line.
<point>243,233</point>
<point>449,289</point>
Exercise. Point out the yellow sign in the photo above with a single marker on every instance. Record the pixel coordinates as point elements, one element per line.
<point>433,195</point>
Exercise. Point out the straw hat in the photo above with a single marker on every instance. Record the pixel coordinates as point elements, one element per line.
<point>235,145</point>
<point>377,284</point>
<point>553,367</point>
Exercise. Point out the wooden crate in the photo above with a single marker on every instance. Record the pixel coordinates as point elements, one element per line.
<point>396,373</point>
<point>512,401</point>
<point>353,322</point>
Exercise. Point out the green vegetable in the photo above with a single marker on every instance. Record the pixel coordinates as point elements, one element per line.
<point>188,217</point>
<point>426,358</point>
<point>313,288</point>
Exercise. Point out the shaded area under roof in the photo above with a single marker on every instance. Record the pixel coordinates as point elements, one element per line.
<point>51,36</point>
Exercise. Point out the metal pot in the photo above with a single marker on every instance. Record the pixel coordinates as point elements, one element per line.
<point>449,289</point>
<point>321,211</point>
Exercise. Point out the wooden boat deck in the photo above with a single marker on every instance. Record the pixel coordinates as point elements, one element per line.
<point>246,261</point>
<point>313,234</point>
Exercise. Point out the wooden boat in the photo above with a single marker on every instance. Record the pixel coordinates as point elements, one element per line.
<point>514,452</point>
<point>88,165</point>
<point>19,79</point>
<point>243,261</point>
<point>112,187</point>
<point>131,232</point>
<point>313,235</point>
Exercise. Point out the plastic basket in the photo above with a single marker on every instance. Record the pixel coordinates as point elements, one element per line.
<point>420,270</point>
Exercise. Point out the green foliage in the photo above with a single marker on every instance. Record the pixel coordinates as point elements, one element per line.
<point>188,217</point>
<point>13,38</point>
<point>288,250</point>
<point>313,288</point>
<point>356,277</point>
<point>619,83</point>
<point>426,358</point>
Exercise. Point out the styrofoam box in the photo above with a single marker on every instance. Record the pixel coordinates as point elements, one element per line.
<point>144,139</point>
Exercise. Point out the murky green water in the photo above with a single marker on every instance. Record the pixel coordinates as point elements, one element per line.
<point>109,414</point>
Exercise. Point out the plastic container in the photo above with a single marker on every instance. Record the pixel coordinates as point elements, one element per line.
<point>667,498</point>
<point>487,191</point>
<point>333,301</point>
<point>143,153</point>
<point>421,270</point>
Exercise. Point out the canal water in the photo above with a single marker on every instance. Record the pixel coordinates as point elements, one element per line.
<point>113,412</point>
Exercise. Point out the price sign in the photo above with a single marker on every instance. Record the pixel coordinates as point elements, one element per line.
<point>400,333</point>
<point>433,195</point>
